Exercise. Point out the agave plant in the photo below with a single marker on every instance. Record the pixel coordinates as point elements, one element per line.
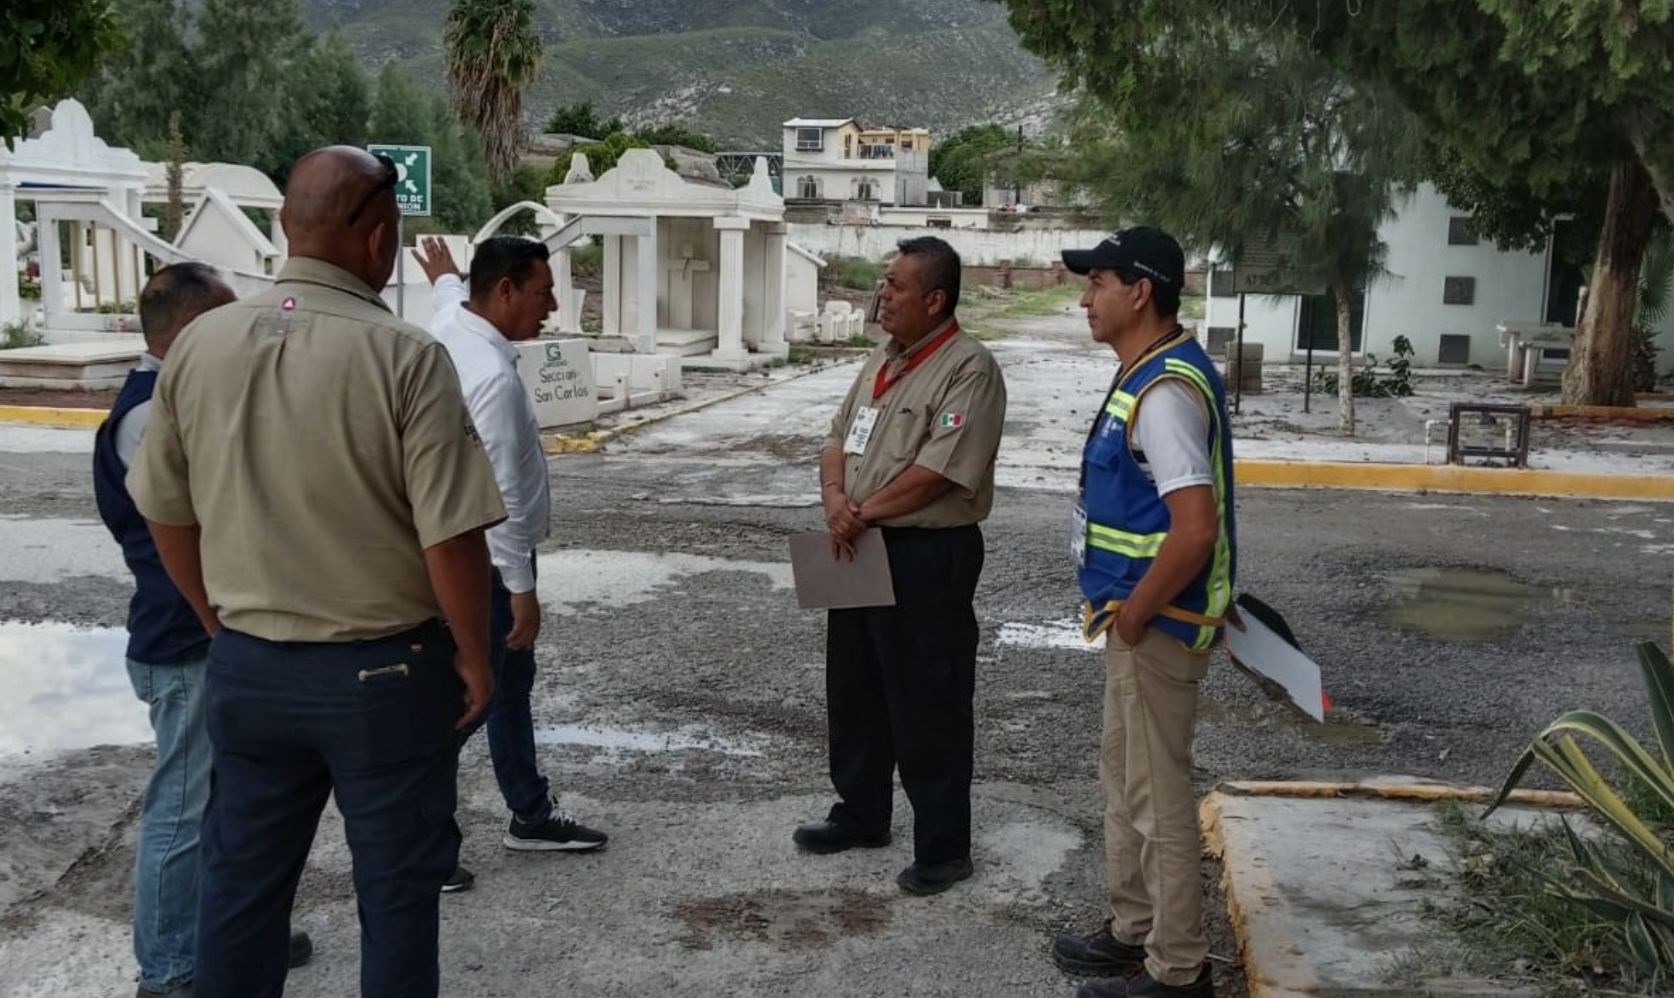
<point>1638,899</point>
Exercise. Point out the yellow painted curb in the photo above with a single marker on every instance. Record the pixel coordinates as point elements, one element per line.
<point>1251,871</point>
<point>1452,478</point>
<point>40,415</point>
<point>1647,414</point>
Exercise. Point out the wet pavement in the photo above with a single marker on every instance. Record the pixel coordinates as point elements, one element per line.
<point>681,708</point>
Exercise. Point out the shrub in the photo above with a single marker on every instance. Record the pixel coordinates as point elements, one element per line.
<point>854,272</point>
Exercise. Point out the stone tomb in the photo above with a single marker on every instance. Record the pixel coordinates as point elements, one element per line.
<point>691,269</point>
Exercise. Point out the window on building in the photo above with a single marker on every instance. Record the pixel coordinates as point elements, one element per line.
<point>864,190</point>
<point>808,187</point>
<point>848,147</point>
<point>810,139</point>
<point>906,143</point>
<point>1459,231</point>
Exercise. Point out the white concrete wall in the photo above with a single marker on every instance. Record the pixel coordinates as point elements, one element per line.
<point>217,239</point>
<point>1407,301</point>
<point>975,246</point>
<point>802,283</point>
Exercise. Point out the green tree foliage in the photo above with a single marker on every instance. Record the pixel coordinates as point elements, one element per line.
<point>244,48</point>
<point>671,134</point>
<point>601,156</point>
<point>1235,142</point>
<point>493,51</point>
<point>581,119</point>
<point>147,79</point>
<point>961,160</point>
<point>1539,99</point>
<point>47,48</point>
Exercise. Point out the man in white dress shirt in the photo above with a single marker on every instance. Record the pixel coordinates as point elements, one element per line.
<point>509,296</point>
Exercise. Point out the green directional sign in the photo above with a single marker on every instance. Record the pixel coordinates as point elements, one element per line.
<point>412,182</point>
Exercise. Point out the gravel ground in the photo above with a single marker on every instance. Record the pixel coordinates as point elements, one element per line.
<point>668,618</point>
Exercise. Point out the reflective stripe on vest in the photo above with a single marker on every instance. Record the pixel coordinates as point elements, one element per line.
<point>1145,546</point>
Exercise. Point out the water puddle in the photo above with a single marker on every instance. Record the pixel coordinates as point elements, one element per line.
<point>622,740</point>
<point>1338,729</point>
<point>572,578</point>
<point>66,688</point>
<point>1463,605</point>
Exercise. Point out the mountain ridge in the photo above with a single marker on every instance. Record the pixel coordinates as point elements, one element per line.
<point>736,70</point>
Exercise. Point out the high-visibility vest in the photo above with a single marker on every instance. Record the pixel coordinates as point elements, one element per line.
<point>1127,521</point>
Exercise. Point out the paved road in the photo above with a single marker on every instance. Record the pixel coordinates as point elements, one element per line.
<point>682,709</point>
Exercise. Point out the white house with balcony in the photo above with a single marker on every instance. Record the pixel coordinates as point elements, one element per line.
<point>839,159</point>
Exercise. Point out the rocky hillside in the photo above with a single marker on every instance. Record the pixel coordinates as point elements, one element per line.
<point>738,68</point>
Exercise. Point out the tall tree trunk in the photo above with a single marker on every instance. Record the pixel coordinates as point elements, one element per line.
<point>1651,130</point>
<point>1345,359</point>
<point>1600,370</point>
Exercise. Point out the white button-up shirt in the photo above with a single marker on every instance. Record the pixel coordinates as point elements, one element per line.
<point>505,419</point>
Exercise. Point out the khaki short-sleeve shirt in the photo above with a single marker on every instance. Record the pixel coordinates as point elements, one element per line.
<point>946,415</point>
<point>320,444</point>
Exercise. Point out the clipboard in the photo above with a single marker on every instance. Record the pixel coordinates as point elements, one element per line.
<point>824,582</point>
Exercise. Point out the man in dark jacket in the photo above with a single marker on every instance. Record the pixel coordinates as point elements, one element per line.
<point>167,649</point>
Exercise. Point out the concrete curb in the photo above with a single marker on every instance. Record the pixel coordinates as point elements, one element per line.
<point>1650,414</point>
<point>36,415</point>
<point>1246,881</point>
<point>1258,474</point>
<point>1452,478</point>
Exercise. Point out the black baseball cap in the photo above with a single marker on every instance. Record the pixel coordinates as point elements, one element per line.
<point>1142,250</point>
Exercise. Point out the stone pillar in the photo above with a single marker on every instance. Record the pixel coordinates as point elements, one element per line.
<point>610,305</point>
<point>11,303</point>
<point>773,295</point>
<point>130,267</point>
<point>52,272</point>
<point>276,235</point>
<point>648,270</point>
<point>731,288</point>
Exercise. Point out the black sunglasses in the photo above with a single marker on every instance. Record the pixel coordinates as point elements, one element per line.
<point>391,175</point>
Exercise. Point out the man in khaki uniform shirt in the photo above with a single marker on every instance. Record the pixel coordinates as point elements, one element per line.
<point>317,493</point>
<point>911,451</point>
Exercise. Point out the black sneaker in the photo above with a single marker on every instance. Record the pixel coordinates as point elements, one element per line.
<point>557,833</point>
<point>1143,985</point>
<point>1098,954</point>
<point>460,879</point>
<point>302,948</point>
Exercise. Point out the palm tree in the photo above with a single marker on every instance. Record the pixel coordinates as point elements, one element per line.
<point>492,51</point>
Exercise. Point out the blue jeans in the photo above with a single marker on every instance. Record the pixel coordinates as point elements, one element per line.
<point>369,722</point>
<point>166,864</point>
<point>509,718</point>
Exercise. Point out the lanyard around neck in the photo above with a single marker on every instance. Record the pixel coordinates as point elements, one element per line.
<point>884,383</point>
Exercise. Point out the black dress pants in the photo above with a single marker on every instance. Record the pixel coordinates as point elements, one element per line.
<point>899,682</point>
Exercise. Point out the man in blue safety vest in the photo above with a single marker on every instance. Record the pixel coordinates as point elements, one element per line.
<point>1153,543</point>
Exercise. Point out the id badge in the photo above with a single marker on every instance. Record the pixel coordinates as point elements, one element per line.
<point>1078,535</point>
<point>860,431</point>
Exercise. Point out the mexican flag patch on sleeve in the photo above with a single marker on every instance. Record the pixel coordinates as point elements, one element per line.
<point>952,420</point>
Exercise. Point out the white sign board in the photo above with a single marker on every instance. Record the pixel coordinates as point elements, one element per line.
<point>559,377</point>
<point>1277,666</point>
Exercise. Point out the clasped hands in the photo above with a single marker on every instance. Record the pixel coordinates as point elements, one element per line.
<point>842,518</point>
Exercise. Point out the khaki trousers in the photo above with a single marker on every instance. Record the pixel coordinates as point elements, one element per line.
<point>1152,846</point>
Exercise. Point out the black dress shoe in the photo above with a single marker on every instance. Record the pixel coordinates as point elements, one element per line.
<point>824,837</point>
<point>1098,954</point>
<point>933,878</point>
<point>302,948</point>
